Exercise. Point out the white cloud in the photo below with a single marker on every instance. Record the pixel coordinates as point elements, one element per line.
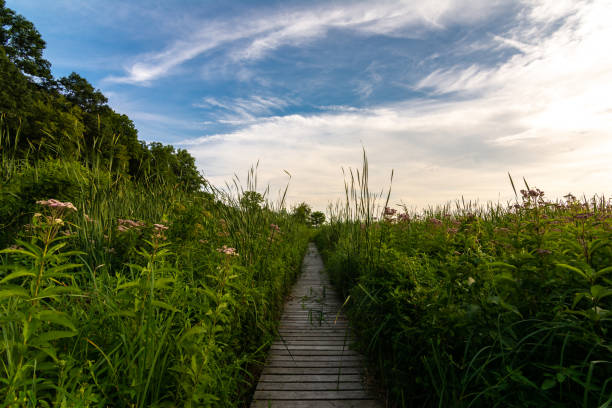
<point>545,114</point>
<point>253,36</point>
<point>243,111</point>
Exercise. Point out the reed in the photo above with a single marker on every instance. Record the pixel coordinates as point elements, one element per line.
<point>469,304</point>
<point>137,293</point>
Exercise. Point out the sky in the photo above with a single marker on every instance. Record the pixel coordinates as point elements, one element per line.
<point>449,95</point>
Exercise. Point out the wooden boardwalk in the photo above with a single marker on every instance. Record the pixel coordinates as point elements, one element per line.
<point>311,365</point>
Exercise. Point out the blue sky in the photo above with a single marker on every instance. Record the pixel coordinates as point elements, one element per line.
<point>450,94</point>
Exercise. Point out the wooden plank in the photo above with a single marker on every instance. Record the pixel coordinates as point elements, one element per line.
<point>292,347</point>
<point>276,357</point>
<point>289,363</point>
<point>330,386</point>
<point>312,370</point>
<point>285,352</point>
<point>309,378</point>
<point>317,404</point>
<point>310,395</point>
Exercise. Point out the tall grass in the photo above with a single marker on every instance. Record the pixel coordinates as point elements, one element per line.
<point>135,297</point>
<point>469,305</point>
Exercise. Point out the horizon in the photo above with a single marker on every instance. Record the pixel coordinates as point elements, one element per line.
<point>451,97</point>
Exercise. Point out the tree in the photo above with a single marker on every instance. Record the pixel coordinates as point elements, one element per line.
<point>251,200</point>
<point>23,44</point>
<point>317,218</point>
<point>80,92</point>
<point>302,213</point>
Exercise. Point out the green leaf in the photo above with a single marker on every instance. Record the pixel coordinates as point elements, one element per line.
<point>574,269</point>
<point>128,285</point>
<point>603,271</point>
<point>134,266</point>
<point>30,247</point>
<point>599,292</point>
<point>164,305</point>
<point>16,291</point>
<point>501,265</point>
<point>56,248</point>
<point>56,317</point>
<point>548,384</point>
<point>73,253</point>
<point>191,332</point>
<point>162,283</point>
<point>504,276</point>
<point>17,274</point>
<point>57,291</point>
<point>19,251</point>
<point>51,335</point>
<point>61,268</point>
<point>598,243</point>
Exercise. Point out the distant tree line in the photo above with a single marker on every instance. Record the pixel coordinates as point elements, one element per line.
<point>45,117</point>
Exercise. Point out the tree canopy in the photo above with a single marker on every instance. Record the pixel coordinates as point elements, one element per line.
<point>48,117</point>
<point>23,44</point>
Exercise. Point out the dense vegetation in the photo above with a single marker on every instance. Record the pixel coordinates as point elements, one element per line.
<point>479,307</point>
<point>117,293</point>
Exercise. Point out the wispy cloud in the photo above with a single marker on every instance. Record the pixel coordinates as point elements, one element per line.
<point>544,113</point>
<point>242,111</point>
<point>252,37</point>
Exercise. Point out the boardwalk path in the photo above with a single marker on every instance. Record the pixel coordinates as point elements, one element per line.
<point>311,364</point>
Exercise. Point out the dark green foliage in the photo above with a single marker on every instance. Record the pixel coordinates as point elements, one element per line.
<point>23,44</point>
<point>137,296</point>
<point>70,118</point>
<point>301,213</point>
<point>317,218</point>
<point>505,306</point>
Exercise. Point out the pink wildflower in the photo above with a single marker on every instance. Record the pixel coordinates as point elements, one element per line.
<point>53,203</point>
<point>405,217</point>
<point>390,212</point>
<point>275,228</point>
<point>130,223</point>
<point>228,250</point>
<point>160,227</point>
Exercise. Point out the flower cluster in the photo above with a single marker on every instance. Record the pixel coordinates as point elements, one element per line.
<point>390,212</point>
<point>158,232</point>
<point>405,217</point>
<point>53,203</point>
<point>532,193</point>
<point>275,228</point>
<point>125,225</point>
<point>228,250</point>
<point>435,221</point>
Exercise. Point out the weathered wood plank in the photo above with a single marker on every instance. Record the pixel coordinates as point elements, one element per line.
<point>317,404</point>
<point>289,363</point>
<point>310,395</point>
<point>312,370</point>
<point>285,352</point>
<point>286,357</point>
<point>330,386</point>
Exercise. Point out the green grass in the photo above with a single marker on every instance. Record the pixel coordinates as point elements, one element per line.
<point>469,306</point>
<point>99,307</point>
